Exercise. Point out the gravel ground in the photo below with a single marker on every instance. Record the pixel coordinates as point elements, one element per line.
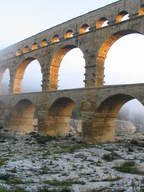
<point>40,164</point>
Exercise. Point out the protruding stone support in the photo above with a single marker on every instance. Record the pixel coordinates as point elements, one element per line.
<point>103,128</point>
<point>57,125</point>
<point>90,74</point>
<point>86,118</point>
<point>100,71</point>
<point>98,128</point>
<point>54,125</point>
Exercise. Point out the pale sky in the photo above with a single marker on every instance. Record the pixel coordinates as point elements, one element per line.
<point>23,18</point>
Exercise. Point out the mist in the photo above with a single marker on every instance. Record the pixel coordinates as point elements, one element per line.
<point>123,65</point>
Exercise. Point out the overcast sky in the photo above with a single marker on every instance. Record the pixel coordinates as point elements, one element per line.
<point>23,18</point>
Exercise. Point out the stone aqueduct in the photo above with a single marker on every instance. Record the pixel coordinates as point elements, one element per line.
<point>98,104</point>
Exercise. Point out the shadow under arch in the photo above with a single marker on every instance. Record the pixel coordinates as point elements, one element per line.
<point>20,73</point>
<point>55,65</point>
<point>58,118</point>
<point>21,117</point>
<point>103,51</point>
<point>105,116</point>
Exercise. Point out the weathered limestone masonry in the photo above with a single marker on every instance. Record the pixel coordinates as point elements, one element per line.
<point>98,104</point>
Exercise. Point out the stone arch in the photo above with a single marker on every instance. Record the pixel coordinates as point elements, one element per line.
<point>141,11</point>
<point>113,103</point>
<point>2,71</point>
<point>102,23</point>
<point>58,118</point>
<point>103,122</point>
<point>102,54</point>
<point>43,43</point>
<point>55,39</point>
<point>55,65</point>
<point>84,28</point>
<point>68,34</point>
<point>26,49</point>
<point>18,52</point>
<point>21,117</point>
<point>34,46</point>
<point>20,73</point>
<point>121,16</point>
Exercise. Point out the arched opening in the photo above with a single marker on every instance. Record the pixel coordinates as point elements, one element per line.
<point>26,49</point>
<point>104,121</point>
<point>124,62</point>
<point>68,34</point>
<point>28,76</point>
<point>21,117</point>
<point>122,16</point>
<point>4,81</point>
<point>58,119</point>
<point>18,52</point>
<point>84,28</point>
<point>141,11</point>
<point>43,43</point>
<point>105,117</point>
<point>34,46</point>
<point>104,55</point>
<point>66,73</point>
<point>55,39</point>
<point>103,22</point>
<point>132,113</point>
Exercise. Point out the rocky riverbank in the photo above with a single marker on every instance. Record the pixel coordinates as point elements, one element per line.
<point>43,164</point>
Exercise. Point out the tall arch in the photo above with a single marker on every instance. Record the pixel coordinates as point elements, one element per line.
<point>17,84</point>
<point>21,117</point>
<point>55,66</point>
<point>58,118</point>
<point>102,54</point>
